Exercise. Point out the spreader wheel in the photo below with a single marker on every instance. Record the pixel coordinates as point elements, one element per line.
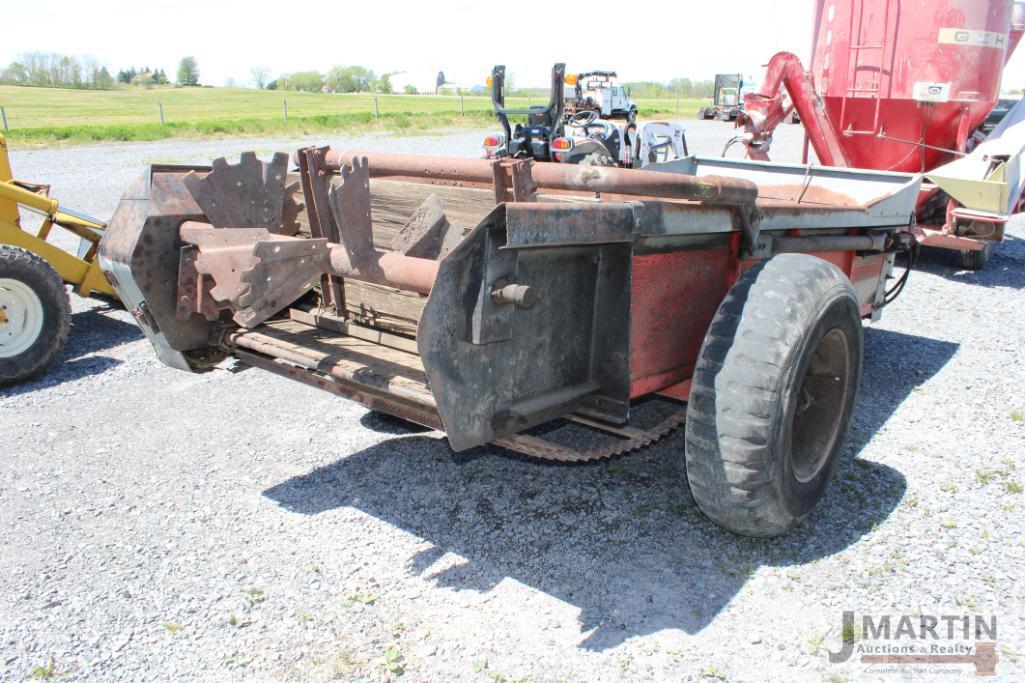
<point>35,315</point>
<point>971,259</point>
<point>772,395</point>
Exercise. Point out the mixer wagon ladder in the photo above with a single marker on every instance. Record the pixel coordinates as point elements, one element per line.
<point>854,64</point>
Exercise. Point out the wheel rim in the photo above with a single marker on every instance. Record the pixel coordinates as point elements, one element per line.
<point>21,317</point>
<point>820,404</point>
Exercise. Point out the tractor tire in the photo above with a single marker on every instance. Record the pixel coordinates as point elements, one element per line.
<point>36,316</point>
<point>969,259</point>
<point>772,395</point>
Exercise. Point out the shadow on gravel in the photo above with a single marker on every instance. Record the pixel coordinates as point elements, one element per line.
<point>1006,267</point>
<point>622,540</point>
<point>92,331</point>
<point>895,365</point>
<point>383,423</point>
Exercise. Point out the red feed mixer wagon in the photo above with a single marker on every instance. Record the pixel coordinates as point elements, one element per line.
<point>898,86</point>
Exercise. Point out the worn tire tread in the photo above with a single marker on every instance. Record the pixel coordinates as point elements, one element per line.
<point>735,389</point>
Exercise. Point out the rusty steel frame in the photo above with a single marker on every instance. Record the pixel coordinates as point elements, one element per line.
<point>258,273</point>
<point>375,400</point>
<point>565,177</point>
<point>312,177</point>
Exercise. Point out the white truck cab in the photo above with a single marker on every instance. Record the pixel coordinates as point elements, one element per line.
<point>598,91</point>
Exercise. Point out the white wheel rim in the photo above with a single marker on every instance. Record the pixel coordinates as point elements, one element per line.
<point>21,317</point>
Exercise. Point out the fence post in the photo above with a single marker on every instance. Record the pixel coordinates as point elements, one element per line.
<point>160,110</point>
<point>284,108</point>
<point>377,109</point>
<point>528,101</point>
<point>462,110</point>
<point>3,115</point>
<point>677,105</point>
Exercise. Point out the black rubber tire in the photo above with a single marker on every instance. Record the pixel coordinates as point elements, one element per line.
<point>748,383</point>
<point>40,277</point>
<point>974,260</point>
<point>631,115</point>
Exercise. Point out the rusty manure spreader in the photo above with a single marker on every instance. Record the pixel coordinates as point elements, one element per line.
<point>485,298</point>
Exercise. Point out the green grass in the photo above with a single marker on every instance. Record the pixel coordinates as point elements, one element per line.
<point>41,116</point>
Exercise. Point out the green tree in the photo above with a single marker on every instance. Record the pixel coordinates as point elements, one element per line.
<point>383,85</point>
<point>102,79</point>
<point>409,89</point>
<point>188,71</point>
<point>681,87</point>
<point>350,79</point>
<point>303,81</point>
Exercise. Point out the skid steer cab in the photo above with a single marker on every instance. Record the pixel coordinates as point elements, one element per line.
<point>580,138</point>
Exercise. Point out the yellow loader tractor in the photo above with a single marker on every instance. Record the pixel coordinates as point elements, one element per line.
<point>35,313</point>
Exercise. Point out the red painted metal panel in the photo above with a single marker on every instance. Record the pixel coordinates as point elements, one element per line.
<point>674,297</point>
<point>837,258</point>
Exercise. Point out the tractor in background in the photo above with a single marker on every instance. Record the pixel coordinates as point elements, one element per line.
<point>579,137</point>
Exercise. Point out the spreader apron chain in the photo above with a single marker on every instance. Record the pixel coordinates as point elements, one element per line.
<point>634,439</point>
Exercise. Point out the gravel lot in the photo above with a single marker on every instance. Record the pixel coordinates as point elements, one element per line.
<point>166,526</point>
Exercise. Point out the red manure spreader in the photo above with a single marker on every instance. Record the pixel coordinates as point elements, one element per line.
<point>486,298</point>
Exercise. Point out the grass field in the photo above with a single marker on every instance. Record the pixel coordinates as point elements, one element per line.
<point>48,115</point>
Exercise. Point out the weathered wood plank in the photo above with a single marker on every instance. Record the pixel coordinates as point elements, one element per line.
<point>388,308</point>
<point>393,203</point>
<point>327,321</point>
<point>393,369</point>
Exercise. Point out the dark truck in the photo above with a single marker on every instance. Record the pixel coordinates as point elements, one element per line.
<point>727,100</point>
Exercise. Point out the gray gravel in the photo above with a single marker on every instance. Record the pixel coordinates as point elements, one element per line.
<point>166,526</point>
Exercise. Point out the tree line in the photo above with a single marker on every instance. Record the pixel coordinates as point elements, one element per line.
<point>50,69</point>
<point>677,87</point>
<point>143,76</point>
<point>338,79</point>
<point>57,71</point>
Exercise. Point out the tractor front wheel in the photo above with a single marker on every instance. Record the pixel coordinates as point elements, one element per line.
<point>35,315</point>
<point>772,395</point>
